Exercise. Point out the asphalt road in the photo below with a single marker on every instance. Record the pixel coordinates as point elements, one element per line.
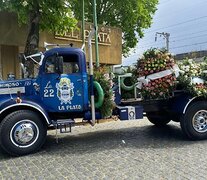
<point>115,150</point>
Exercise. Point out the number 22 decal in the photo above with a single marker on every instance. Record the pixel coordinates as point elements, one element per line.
<point>48,92</point>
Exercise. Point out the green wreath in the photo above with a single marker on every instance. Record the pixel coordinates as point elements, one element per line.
<point>99,101</point>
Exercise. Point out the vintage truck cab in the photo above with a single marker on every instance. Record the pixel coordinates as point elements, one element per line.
<point>55,97</point>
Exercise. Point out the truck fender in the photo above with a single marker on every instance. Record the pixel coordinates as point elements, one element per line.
<point>29,104</point>
<point>188,103</point>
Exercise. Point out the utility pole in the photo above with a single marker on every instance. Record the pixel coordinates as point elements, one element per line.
<point>96,32</point>
<point>166,36</point>
<point>83,23</point>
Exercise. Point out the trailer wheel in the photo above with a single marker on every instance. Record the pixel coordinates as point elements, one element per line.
<point>22,132</point>
<point>158,119</point>
<point>194,121</point>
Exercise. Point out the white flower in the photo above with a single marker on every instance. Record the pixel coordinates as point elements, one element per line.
<point>199,92</point>
<point>107,77</point>
<point>113,97</point>
<point>190,61</point>
<point>25,3</point>
<point>111,83</point>
<point>112,75</point>
<point>181,67</point>
<point>187,68</point>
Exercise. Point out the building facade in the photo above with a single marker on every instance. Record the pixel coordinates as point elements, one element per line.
<point>13,39</point>
<point>196,55</point>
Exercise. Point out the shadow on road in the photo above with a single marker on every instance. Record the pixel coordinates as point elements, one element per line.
<point>148,136</point>
<point>137,137</point>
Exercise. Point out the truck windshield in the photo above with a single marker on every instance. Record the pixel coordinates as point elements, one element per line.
<point>50,65</point>
<point>71,64</point>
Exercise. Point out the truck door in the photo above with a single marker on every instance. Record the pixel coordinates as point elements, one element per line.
<point>63,92</point>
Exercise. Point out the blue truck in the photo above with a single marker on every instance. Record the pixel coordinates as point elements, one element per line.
<point>60,94</point>
<point>55,97</point>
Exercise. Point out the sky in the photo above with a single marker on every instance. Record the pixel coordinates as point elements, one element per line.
<point>185,20</point>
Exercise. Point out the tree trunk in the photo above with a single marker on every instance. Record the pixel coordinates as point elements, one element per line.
<point>32,42</point>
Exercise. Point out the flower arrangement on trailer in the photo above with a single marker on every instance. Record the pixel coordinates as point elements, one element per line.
<point>193,77</point>
<point>158,75</point>
<point>156,72</point>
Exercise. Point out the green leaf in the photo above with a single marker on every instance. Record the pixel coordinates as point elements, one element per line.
<point>132,16</point>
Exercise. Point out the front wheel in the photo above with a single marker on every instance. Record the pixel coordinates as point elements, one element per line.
<point>22,132</point>
<point>194,121</point>
<point>158,119</point>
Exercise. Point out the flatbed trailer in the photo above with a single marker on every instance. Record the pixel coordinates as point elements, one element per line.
<point>189,111</point>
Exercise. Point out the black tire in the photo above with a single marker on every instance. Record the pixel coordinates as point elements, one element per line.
<point>195,114</point>
<point>22,132</point>
<point>158,119</point>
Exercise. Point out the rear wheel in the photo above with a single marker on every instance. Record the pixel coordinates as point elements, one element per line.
<point>158,119</point>
<point>22,132</point>
<point>194,121</point>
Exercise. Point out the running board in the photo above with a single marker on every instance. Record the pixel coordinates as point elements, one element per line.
<point>64,125</point>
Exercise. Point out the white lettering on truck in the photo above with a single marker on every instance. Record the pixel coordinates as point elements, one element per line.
<point>69,107</point>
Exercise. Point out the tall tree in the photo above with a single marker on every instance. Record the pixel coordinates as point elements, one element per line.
<point>132,16</point>
<point>50,15</point>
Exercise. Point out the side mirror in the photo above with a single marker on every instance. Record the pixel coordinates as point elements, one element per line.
<point>59,64</point>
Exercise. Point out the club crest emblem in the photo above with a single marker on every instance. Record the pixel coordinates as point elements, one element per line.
<point>65,91</point>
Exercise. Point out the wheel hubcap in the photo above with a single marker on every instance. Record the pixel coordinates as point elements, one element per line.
<point>200,121</point>
<point>24,133</point>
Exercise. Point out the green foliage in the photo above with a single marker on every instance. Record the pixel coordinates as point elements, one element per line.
<point>132,16</point>
<point>54,15</point>
<point>127,94</point>
<point>101,75</point>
